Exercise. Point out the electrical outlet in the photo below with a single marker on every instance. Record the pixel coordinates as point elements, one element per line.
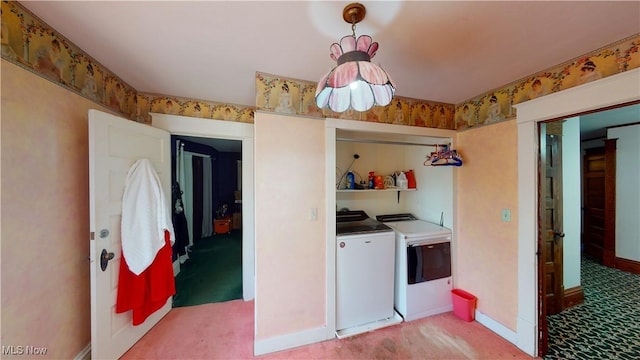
<point>506,215</point>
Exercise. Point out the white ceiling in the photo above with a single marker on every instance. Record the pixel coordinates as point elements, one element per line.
<point>446,51</point>
<point>595,125</point>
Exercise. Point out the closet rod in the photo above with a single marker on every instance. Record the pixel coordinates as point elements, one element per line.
<point>388,142</point>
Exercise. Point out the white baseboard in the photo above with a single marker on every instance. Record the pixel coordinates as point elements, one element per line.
<point>84,354</point>
<point>284,342</point>
<point>503,331</point>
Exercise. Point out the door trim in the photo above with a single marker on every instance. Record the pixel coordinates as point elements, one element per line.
<point>613,91</point>
<point>189,126</point>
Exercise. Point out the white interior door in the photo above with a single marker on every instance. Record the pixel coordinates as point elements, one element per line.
<point>114,144</point>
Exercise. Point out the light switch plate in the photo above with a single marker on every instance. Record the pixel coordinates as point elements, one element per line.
<point>506,215</point>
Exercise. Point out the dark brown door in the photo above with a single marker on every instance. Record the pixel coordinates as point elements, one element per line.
<point>550,288</point>
<point>599,174</point>
<point>594,196</point>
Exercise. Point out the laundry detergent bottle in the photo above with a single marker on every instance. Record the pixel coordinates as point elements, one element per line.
<point>350,180</point>
<point>372,175</point>
<point>401,181</point>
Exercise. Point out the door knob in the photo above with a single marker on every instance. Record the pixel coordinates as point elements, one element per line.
<point>557,235</point>
<point>104,259</point>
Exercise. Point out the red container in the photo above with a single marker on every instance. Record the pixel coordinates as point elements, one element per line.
<point>464,304</point>
<point>411,179</point>
<point>222,226</point>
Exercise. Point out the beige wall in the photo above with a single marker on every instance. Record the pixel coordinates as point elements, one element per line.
<point>45,183</point>
<point>45,215</point>
<point>290,248</point>
<point>487,246</point>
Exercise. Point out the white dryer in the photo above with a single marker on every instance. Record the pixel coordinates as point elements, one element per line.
<point>423,280</point>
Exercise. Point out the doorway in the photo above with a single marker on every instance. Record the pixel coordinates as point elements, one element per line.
<point>207,201</point>
<point>621,89</point>
<point>552,295</point>
<point>227,130</point>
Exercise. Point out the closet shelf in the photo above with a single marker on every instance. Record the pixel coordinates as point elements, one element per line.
<point>371,190</point>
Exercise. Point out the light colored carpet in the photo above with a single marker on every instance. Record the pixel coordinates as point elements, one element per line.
<point>225,331</point>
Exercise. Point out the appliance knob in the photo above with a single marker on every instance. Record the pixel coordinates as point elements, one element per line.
<point>342,244</point>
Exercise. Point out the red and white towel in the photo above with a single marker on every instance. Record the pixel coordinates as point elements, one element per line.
<point>145,216</point>
<point>146,279</point>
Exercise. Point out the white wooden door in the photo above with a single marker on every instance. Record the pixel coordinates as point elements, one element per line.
<point>114,145</point>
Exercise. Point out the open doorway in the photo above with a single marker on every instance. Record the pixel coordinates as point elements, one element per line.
<point>562,330</point>
<point>207,188</point>
<point>614,91</point>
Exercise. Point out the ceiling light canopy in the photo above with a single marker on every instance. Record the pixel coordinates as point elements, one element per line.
<point>355,83</point>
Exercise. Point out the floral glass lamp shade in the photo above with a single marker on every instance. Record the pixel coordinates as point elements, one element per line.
<point>355,82</point>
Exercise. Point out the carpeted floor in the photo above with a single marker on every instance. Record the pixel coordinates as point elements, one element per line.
<point>213,272</point>
<point>225,331</point>
<point>606,325</point>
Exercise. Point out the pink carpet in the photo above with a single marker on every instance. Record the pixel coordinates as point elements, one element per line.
<point>225,331</point>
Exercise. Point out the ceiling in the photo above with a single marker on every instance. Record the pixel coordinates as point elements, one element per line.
<point>595,125</point>
<point>445,51</point>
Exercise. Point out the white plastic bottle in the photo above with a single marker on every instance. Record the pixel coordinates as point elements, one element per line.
<point>401,181</point>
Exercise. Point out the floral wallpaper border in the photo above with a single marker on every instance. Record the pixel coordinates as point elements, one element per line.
<point>497,105</point>
<point>30,43</point>
<point>293,96</point>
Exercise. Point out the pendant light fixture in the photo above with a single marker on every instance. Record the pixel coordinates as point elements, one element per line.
<point>355,83</point>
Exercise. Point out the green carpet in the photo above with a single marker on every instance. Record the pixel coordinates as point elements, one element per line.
<point>606,325</point>
<point>213,272</point>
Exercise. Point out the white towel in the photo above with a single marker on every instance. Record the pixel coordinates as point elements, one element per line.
<point>145,216</point>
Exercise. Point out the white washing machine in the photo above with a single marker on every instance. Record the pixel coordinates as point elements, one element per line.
<point>423,280</point>
<point>364,274</point>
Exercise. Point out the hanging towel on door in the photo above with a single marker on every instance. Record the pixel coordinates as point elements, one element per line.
<point>145,217</point>
<point>144,294</point>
